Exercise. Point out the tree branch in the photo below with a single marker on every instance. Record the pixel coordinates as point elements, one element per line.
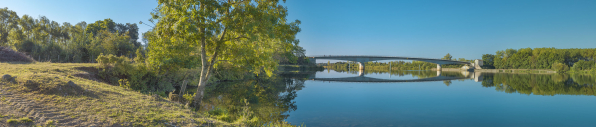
<point>216,52</point>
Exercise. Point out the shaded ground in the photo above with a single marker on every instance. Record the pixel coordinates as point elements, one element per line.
<point>15,106</point>
<point>9,55</point>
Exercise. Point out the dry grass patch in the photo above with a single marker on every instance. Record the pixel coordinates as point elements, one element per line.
<point>93,101</point>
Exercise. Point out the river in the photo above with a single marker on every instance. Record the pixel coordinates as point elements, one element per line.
<point>469,99</point>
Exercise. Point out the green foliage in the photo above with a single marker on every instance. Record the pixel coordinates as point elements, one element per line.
<point>46,40</point>
<point>121,71</point>
<point>582,65</point>
<point>50,123</point>
<point>12,121</point>
<point>447,82</point>
<point>137,76</point>
<point>541,84</point>
<point>560,67</point>
<point>188,97</point>
<point>220,114</point>
<point>447,57</point>
<point>252,102</point>
<point>166,55</point>
<point>106,24</point>
<point>25,120</point>
<point>140,58</point>
<point>488,61</point>
<point>542,58</point>
<point>251,41</point>
<point>21,120</point>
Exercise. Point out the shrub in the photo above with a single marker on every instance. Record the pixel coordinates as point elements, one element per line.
<point>25,120</point>
<point>582,65</point>
<point>121,71</point>
<point>560,67</point>
<point>12,121</point>
<point>188,97</point>
<point>50,123</point>
<point>9,55</point>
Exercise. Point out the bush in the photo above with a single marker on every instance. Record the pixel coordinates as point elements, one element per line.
<point>121,71</point>
<point>582,65</point>
<point>50,123</point>
<point>9,55</point>
<point>188,97</point>
<point>25,120</point>
<point>12,121</point>
<point>560,67</point>
<point>137,76</point>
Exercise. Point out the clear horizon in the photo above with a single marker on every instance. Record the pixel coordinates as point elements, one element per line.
<point>430,29</point>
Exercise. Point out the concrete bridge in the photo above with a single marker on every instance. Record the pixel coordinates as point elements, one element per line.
<point>363,59</point>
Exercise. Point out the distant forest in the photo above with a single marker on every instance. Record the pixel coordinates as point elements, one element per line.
<point>542,58</point>
<point>47,40</point>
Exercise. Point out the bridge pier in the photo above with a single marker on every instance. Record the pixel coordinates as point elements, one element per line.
<point>361,65</point>
<point>438,67</point>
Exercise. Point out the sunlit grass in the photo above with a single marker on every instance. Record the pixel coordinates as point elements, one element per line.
<point>92,99</point>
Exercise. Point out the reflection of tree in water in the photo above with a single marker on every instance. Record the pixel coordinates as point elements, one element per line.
<point>447,82</point>
<point>270,99</point>
<point>541,84</point>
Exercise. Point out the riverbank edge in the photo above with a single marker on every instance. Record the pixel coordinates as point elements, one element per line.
<point>532,71</point>
<point>295,68</point>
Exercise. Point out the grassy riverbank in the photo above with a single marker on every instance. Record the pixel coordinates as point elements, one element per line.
<point>43,92</point>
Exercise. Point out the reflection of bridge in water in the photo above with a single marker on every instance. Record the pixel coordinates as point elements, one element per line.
<point>476,76</point>
<point>363,59</point>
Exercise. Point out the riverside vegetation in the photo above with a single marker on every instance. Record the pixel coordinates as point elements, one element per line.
<point>560,60</point>
<point>109,102</point>
<point>131,84</point>
<point>204,44</point>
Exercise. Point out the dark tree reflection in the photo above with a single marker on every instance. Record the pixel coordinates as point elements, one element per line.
<point>541,84</point>
<point>269,99</point>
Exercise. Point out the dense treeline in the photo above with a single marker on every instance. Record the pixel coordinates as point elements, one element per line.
<point>47,40</point>
<point>560,60</point>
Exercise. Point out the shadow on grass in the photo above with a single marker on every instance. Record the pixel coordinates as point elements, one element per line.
<point>41,84</point>
<point>92,74</point>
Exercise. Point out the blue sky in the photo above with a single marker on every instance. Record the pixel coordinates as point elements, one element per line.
<point>412,28</point>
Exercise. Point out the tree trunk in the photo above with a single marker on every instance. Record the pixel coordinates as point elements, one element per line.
<point>206,67</point>
<point>182,88</point>
<point>203,80</point>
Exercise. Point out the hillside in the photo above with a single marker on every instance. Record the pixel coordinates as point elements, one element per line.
<point>69,94</point>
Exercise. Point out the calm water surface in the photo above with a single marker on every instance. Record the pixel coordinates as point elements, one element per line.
<point>485,99</point>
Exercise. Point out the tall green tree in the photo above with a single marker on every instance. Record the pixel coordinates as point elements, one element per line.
<point>447,57</point>
<point>488,61</point>
<point>240,32</point>
<point>8,21</point>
